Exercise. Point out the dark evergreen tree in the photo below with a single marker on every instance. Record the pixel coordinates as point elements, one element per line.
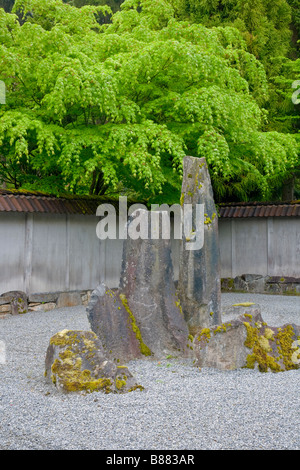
<point>7,5</point>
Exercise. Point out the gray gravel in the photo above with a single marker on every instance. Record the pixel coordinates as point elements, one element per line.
<point>181,407</point>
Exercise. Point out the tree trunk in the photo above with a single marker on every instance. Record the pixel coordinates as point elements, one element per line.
<point>288,189</point>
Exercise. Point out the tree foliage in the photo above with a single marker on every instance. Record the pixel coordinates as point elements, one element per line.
<point>96,108</point>
<point>271,31</point>
<point>264,24</point>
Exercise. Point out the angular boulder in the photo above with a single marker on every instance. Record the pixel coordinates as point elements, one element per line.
<point>76,362</point>
<point>148,291</point>
<point>115,326</point>
<point>199,286</point>
<point>143,317</point>
<point>248,342</point>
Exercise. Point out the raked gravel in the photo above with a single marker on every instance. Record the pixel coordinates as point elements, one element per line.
<point>181,408</point>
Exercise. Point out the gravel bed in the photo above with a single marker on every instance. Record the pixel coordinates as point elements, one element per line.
<point>181,408</point>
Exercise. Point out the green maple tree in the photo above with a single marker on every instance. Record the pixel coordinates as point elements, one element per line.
<point>99,108</point>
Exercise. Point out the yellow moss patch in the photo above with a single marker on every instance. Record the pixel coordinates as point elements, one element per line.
<point>207,220</point>
<point>220,329</point>
<point>177,302</point>
<point>284,340</point>
<point>67,368</point>
<point>244,304</point>
<point>260,347</point>
<point>73,379</point>
<point>143,347</point>
<point>204,333</point>
<point>120,383</point>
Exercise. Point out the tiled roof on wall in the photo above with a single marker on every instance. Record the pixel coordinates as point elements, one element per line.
<point>28,202</point>
<point>259,209</point>
<point>25,201</point>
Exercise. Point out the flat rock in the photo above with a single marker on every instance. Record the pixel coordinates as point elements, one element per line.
<point>76,362</point>
<point>5,308</point>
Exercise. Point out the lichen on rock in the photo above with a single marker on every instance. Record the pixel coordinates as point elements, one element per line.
<point>143,347</point>
<point>247,342</point>
<point>75,362</point>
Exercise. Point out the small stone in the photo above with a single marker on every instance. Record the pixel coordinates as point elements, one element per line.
<point>46,307</point>
<point>68,299</point>
<point>5,308</point>
<point>43,297</point>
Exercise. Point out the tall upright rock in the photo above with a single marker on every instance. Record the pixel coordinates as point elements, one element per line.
<point>147,284</point>
<point>143,317</point>
<point>199,287</point>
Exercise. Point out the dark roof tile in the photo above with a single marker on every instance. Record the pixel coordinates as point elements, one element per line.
<point>259,209</point>
<point>18,201</point>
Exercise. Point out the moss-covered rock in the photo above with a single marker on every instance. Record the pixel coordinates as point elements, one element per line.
<point>76,362</point>
<point>248,342</point>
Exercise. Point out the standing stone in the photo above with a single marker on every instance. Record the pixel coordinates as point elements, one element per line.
<point>143,317</point>
<point>199,286</point>
<point>147,286</point>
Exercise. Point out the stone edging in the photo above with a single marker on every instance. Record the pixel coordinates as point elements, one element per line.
<point>259,284</point>
<point>17,302</point>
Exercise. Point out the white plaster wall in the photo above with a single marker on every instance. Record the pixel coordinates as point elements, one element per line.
<point>266,246</point>
<point>54,252</point>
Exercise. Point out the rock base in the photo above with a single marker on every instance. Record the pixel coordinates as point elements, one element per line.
<point>259,284</point>
<point>17,302</point>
